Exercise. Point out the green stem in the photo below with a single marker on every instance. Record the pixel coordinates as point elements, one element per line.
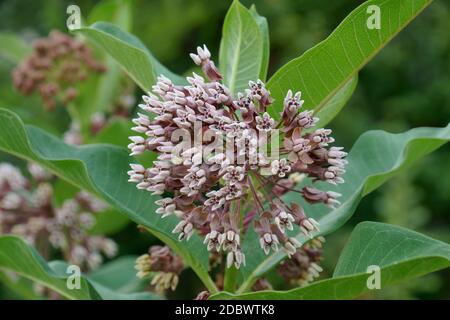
<point>189,260</point>
<point>84,123</point>
<point>229,283</point>
<point>209,284</point>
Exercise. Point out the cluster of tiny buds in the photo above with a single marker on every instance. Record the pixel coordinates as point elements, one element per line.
<point>209,183</point>
<point>55,66</point>
<point>27,210</point>
<point>163,264</point>
<point>303,266</point>
<point>262,284</point>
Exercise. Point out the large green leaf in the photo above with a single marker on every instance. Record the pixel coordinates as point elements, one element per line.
<point>100,169</point>
<point>321,72</point>
<point>375,157</point>
<point>129,52</point>
<point>109,222</point>
<point>114,11</point>
<point>20,287</point>
<point>119,275</point>
<point>400,254</point>
<point>18,256</point>
<point>21,258</point>
<point>105,292</point>
<point>241,48</point>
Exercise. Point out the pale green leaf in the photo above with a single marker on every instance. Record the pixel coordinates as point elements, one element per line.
<point>241,48</point>
<point>113,11</point>
<point>20,287</point>
<point>19,257</point>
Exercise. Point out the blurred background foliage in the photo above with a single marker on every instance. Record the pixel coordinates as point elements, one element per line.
<point>406,85</point>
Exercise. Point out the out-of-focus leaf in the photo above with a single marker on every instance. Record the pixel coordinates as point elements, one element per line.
<point>113,11</point>
<point>101,93</point>
<point>115,132</point>
<point>109,222</point>
<point>18,256</point>
<point>101,170</point>
<point>241,48</point>
<point>375,157</point>
<point>12,47</point>
<point>20,286</point>
<point>400,254</point>
<point>322,71</point>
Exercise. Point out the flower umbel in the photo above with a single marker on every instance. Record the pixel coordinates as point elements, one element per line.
<point>165,266</point>
<point>54,68</point>
<point>303,266</point>
<point>213,169</point>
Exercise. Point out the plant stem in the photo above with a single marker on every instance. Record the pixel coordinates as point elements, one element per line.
<point>229,282</point>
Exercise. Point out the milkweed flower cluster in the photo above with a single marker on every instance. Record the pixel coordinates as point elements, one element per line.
<point>163,264</point>
<point>213,170</point>
<point>54,68</point>
<point>27,210</point>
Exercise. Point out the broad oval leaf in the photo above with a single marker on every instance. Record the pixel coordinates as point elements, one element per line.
<point>322,71</point>
<point>18,256</point>
<point>400,254</point>
<point>130,53</point>
<point>375,157</point>
<point>241,48</point>
<point>101,169</point>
